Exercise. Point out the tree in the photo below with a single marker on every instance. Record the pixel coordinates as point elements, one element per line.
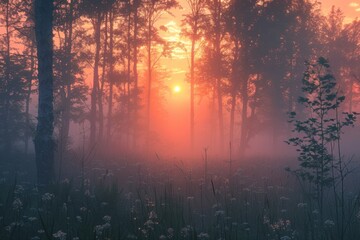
<point>69,84</point>
<point>13,80</point>
<point>44,142</point>
<point>152,11</point>
<point>194,24</point>
<point>316,132</point>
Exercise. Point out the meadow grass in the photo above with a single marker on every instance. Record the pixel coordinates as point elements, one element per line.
<point>256,199</point>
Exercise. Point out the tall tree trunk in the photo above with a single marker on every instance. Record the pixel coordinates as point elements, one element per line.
<point>65,120</point>
<point>135,72</point>
<point>192,93</point>
<point>102,84</point>
<point>244,118</point>
<point>28,97</point>
<point>95,89</point>
<point>149,68</point>
<point>128,106</point>
<point>218,82</point>
<point>232,113</point>
<point>44,142</point>
<point>7,135</point>
<point>111,74</point>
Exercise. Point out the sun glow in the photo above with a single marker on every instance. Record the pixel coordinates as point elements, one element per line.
<point>177,89</point>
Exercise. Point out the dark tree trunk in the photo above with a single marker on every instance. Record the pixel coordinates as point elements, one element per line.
<point>65,118</point>
<point>149,68</point>
<point>28,98</point>
<point>244,117</point>
<point>192,93</point>
<point>95,89</point>
<point>44,142</point>
<point>102,83</point>
<point>7,135</point>
<point>111,75</point>
<point>135,70</point>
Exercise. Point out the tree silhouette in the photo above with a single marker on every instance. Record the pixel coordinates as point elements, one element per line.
<point>44,142</point>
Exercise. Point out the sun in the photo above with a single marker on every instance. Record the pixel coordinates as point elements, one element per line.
<point>177,89</point>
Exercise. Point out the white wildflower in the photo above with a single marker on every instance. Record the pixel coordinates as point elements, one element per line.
<point>152,215</point>
<point>203,236</point>
<point>302,205</point>
<point>47,197</point>
<point>60,235</point>
<point>329,223</point>
<point>78,218</point>
<point>98,230</point>
<point>285,238</point>
<point>107,218</point>
<point>17,204</point>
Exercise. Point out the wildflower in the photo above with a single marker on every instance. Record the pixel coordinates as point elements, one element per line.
<point>60,235</point>
<point>301,205</point>
<point>149,224</point>
<point>152,215</point>
<point>79,219</point>
<point>19,189</point>
<point>107,218</point>
<point>64,207</point>
<point>203,236</point>
<point>170,232</point>
<point>32,219</point>
<point>87,193</point>
<point>98,230</point>
<point>47,197</point>
<point>285,238</point>
<point>185,232</point>
<point>329,223</point>
<point>17,204</point>
<point>284,198</point>
<point>66,181</point>
<point>106,226</point>
<point>131,236</point>
<point>219,213</point>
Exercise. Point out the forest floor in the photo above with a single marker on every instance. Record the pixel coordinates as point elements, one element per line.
<point>251,199</point>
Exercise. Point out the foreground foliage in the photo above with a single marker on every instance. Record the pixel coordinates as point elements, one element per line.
<point>257,201</point>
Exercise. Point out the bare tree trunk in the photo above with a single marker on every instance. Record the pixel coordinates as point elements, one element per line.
<point>8,141</point>
<point>111,75</point>
<point>95,89</point>
<point>128,116</point>
<point>192,94</point>
<point>28,98</point>
<point>232,113</point>
<point>148,109</point>
<point>102,83</point>
<point>244,118</point>
<point>135,70</point>
<point>65,118</point>
<point>44,142</point>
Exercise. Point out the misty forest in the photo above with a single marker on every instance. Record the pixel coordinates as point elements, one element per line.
<point>179,119</point>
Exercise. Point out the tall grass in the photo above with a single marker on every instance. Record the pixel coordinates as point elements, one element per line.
<point>164,201</point>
